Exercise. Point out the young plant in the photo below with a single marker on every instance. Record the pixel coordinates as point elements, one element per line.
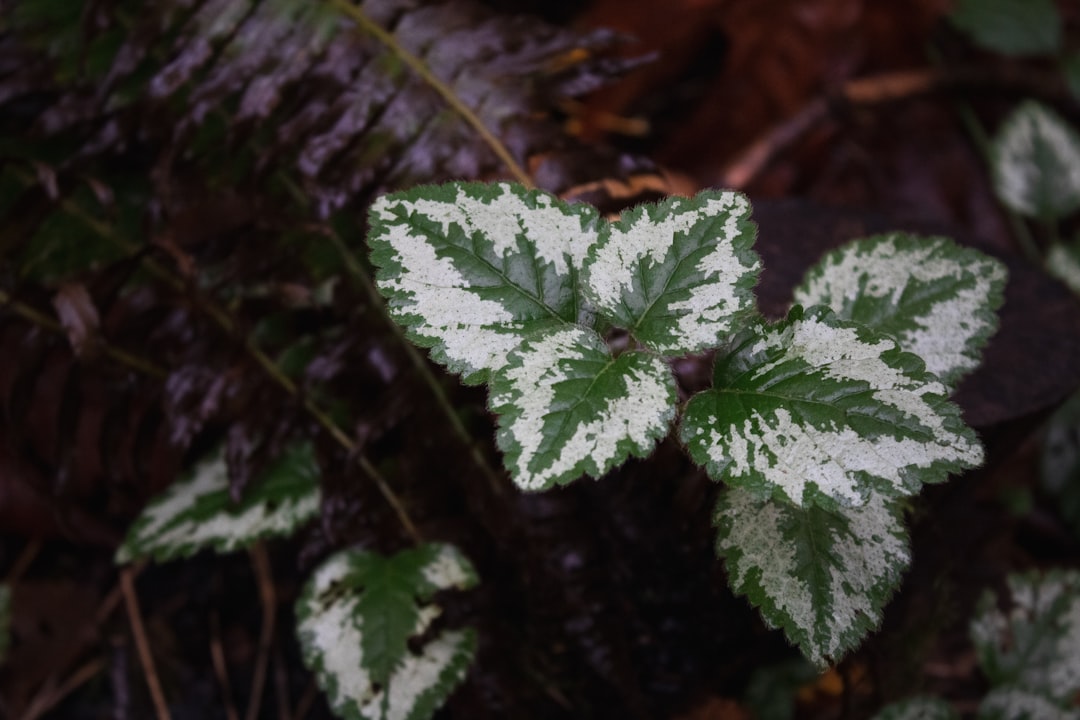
<point>819,424</point>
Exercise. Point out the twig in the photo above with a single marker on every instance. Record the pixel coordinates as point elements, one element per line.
<point>420,68</point>
<point>227,325</point>
<point>23,562</point>
<point>44,702</point>
<point>871,91</point>
<point>221,668</point>
<point>267,598</point>
<point>44,321</point>
<point>131,600</point>
<point>476,453</point>
<point>281,684</point>
<point>306,701</point>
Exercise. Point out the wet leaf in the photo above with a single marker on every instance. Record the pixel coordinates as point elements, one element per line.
<point>815,410</point>
<point>355,619</point>
<point>567,407</point>
<point>1036,163</point>
<point>197,513</point>
<point>471,269</point>
<point>918,708</point>
<point>1011,703</point>
<point>1011,27</point>
<point>938,300</point>
<point>1033,645</point>
<point>823,576</point>
<point>678,274</point>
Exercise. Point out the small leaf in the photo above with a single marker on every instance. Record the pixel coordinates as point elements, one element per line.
<point>677,274</point>
<point>1012,703</point>
<point>5,620</point>
<point>355,618</point>
<point>1011,27</point>
<point>1060,462</point>
<point>816,410</point>
<point>567,407</point>
<point>1070,68</point>
<point>822,576</point>
<point>1063,262</point>
<point>197,512</point>
<point>918,708</point>
<point>469,269</point>
<point>937,299</point>
<point>1036,163</point>
<point>1035,646</point>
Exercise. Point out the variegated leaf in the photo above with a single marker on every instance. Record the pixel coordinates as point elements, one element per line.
<point>937,299</point>
<point>567,407</point>
<point>1036,163</point>
<point>1035,646</point>
<point>469,269</point>
<point>817,410</point>
<point>822,576</point>
<point>355,618</point>
<point>918,708</point>
<point>677,274</point>
<point>1011,27</point>
<point>1012,703</point>
<point>1063,262</point>
<point>197,512</point>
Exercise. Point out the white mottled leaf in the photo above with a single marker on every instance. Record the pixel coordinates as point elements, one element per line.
<point>1011,27</point>
<point>937,299</point>
<point>822,576</point>
<point>567,407</point>
<point>469,268</point>
<point>1063,262</point>
<point>918,708</point>
<point>1035,644</point>
<point>1012,703</point>
<point>817,410</point>
<point>677,274</point>
<point>1036,163</point>
<point>355,619</point>
<point>196,512</point>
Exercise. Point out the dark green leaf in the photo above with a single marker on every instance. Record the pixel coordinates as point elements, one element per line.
<point>568,408</point>
<point>355,618</point>
<point>816,410</point>
<point>1011,27</point>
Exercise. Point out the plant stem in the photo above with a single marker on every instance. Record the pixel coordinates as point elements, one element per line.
<point>357,272</point>
<point>44,321</point>
<point>418,66</point>
<point>225,322</point>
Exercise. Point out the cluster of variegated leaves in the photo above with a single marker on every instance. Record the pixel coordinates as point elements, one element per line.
<point>358,612</point>
<point>819,424</point>
<point>1030,654</point>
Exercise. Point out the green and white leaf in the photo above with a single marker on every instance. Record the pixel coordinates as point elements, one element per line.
<point>469,269</point>
<point>818,410</point>
<point>822,576</point>
<point>1011,27</point>
<point>937,299</point>
<point>1063,262</point>
<point>197,513</point>
<point>918,708</point>
<point>355,619</point>
<point>1036,163</point>
<point>5,619</point>
<point>1035,645</point>
<point>678,274</point>
<point>567,407</point>
<point>1012,703</point>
